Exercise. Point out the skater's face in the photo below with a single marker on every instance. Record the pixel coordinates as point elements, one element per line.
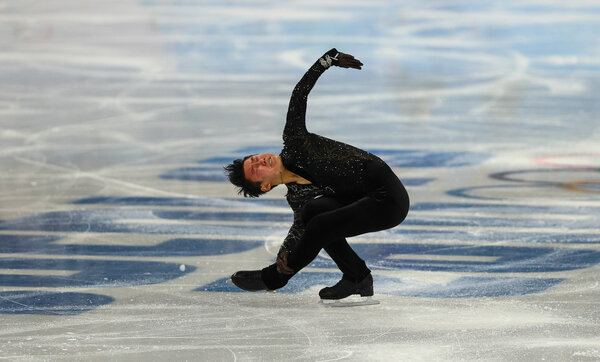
<point>265,168</point>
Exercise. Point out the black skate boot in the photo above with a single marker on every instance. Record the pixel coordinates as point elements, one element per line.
<point>250,280</point>
<point>345,288</point>
<point>340,294</point>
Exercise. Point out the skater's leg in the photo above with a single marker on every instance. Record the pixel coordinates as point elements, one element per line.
<point>352,266</point>
<point>362,216</point>
<point>385,207</point>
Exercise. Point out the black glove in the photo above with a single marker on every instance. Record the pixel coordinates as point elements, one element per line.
<point>339,59</point>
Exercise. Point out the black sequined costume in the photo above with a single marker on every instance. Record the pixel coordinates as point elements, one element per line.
<point>351,192</point>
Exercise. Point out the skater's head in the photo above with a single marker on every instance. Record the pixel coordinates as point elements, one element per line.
<point>255,174</point>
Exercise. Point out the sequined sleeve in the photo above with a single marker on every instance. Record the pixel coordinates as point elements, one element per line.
<point>295,233</point>
<point>295,125</point>
<point>296,197</point>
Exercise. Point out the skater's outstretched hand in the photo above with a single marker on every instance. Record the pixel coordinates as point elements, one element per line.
<point>347,61</point>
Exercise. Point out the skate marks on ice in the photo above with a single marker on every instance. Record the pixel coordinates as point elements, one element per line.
<point>50,303</point>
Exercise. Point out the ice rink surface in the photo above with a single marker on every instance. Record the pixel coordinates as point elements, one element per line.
<point>118,228</point>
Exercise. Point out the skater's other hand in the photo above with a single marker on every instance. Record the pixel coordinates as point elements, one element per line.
<point>283,255</point>
<point>282,268</point>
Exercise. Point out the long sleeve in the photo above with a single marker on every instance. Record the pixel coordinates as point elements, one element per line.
<point>295,234</point>
<point>295,125</point>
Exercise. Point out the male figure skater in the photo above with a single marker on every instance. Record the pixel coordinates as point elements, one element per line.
<point>335,190</point>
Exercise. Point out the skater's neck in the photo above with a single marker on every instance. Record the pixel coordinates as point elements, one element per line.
<point>288,176</point>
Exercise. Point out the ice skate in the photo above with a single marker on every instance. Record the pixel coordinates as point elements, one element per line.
<point>250,280</point>
<point>343,293</point>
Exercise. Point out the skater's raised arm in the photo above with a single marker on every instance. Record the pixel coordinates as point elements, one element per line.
<point>295,121</point>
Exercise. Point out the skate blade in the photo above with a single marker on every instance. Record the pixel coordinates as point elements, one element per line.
<point>349,302</point>
<point>229,281</point>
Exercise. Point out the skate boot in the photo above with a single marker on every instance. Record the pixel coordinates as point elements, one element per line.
<point>250,280</point>
<point>332,296</point>
<point>345,288</point>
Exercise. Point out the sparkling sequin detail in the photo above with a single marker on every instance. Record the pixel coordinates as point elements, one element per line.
<point>326,61</point>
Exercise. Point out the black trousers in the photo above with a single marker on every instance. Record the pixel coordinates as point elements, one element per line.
<point>329,220</point>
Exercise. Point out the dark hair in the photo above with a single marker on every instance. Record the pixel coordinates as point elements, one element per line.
<point>235,173</point>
